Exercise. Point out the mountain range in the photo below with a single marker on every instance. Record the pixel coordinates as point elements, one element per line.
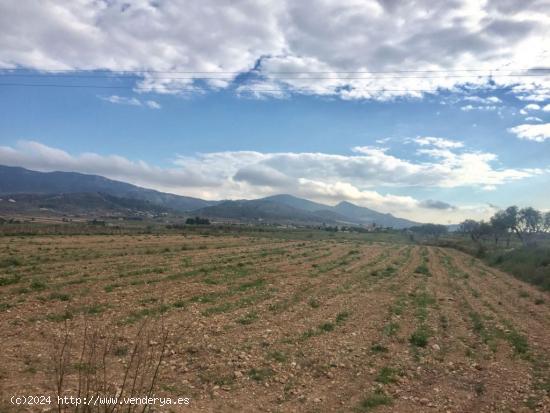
<point>70,192</point>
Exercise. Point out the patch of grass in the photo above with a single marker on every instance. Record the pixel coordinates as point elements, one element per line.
<point>523,294</point>
<point>313,303</point>
<point>278,356</point>
<point>530,264</point>
<point>14,279</point>
<point>55,296</point>
<point>386,272</point>
<point>38,285</point>
<point>391,329</point>
<point>120,351</point>
<point>422,269</point>
<point>387,375</point>
<point>146,312</point>
<point>248,318</point>
<point>260,374</point>
<point>94,309</point>
<point>326,327</point>
<point>342,316</point>
<point>251,284</point>
<point>58,317</point>
<point>309,333</point>
<point>222,308</point>
<point>419,338</point>
<point>518,342</point>
<point>539,301</point>
<point>10,262</point>
<point>179,304</point>
<point>374,400</point>
<point>378,348</point>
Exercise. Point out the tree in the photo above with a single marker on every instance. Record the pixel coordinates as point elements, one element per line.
<point>430,230</point>
<point>502,224</point>
<point>546,226</point>
<point>530,223</point>
<point>471,228</point>
<point>197,221</point>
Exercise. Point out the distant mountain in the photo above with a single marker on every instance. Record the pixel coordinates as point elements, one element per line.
<point>86,204</point>
<point>261,209</point>
<point>54,188</point>
<point>288,208</point>
<point>343,212</point>
<point>16,180</point>
<point>368,216</point>
<point>298,203</point>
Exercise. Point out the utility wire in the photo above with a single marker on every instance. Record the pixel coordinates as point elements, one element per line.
<point>53,85</point>
<point>259,71</point>
<point>114,76</point>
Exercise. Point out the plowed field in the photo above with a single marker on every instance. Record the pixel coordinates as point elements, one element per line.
<point>260,324</point>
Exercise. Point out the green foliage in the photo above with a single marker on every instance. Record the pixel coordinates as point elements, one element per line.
<point>260,374</point>
<point>374,400</point>
<point>419,338</point>
<point>387,375</point>
<point>10,262</point>
<point>526,263</point>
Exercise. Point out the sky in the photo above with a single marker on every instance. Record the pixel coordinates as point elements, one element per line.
<point>432,111</point>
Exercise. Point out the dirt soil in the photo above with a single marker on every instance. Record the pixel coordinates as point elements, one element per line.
<point>269,325</point>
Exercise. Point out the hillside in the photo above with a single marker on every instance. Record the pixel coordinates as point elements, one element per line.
<point>15,180</point>
<point>344,212</point>
<point>265,210</point>
<point>281,208</point>
<point>77,204</point>
<point>366,215</point>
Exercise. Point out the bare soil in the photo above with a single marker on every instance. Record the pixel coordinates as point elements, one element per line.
<point>267,325</point>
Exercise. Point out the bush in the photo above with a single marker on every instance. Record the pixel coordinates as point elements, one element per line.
<point>419,338</point>
<point>526,263</point>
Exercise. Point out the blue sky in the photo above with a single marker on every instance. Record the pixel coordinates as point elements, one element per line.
<point>325,111</point>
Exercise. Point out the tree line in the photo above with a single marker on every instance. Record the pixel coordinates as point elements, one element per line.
<point>527,224</point>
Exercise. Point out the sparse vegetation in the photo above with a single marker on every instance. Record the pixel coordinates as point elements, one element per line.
<point>274,315</point>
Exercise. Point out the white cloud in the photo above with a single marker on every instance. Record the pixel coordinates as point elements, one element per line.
<point>152,104</point>
<point>328,36</point>
<point>38,156</point>
<point>130,101</point>
<point>319,176</point>
<point>532,106</point>
<point>469,108</point>
<point>438,142</point>
<point>491,100</point>
<point>532,119</point>
<point>536,133</point>
<point>546,108</point>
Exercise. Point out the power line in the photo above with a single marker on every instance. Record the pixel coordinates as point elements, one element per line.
<point>114,77</point>
<point>260,90</point>
<point>257,71</point>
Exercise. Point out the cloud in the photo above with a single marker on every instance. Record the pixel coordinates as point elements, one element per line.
<point>469,108</point>
<point>130,101</point>
<point>529,107</point>
<point>546,108</point>
<point>37,156</point>
<point>491,100</point>
<point>430,203</point>
<point>532,106</point>
<point>438,142</point>
<point>152,104</point>
<point>532,119</point>
<point>319,176</point>
<point>351,49</point>
<point>536,133</point>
